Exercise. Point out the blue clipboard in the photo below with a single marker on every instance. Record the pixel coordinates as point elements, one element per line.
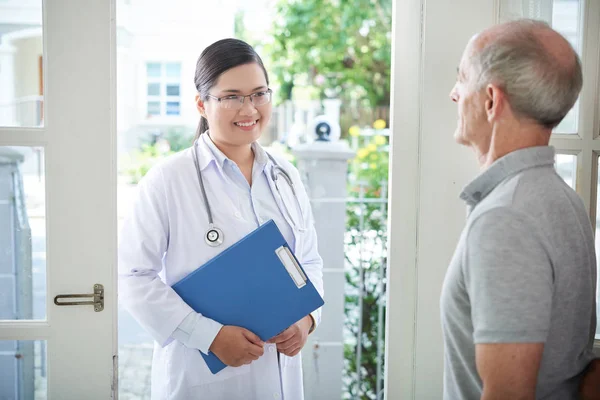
<point>257,283</point>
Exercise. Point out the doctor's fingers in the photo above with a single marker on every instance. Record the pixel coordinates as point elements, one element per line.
<point>294,352</point>
<point>252,338</point>
<point>283,336</point>
<point>288,345</point>
<point>246,358</point>
<point>254,350</point>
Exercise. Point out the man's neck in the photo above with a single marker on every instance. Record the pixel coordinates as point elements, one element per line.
<point>506,140</point>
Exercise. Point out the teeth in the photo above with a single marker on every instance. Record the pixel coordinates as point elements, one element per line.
<point>246,123</point>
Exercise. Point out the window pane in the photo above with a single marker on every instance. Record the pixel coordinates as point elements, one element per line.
<point>566,166</point>
<point>570,124</point>
<point>172,108</point>
<point>153,70</point>
<point>173,70</point>
<point>566,19</point>
<point>153,108</point>
<point>21,67</point>
<point>154,89</point>
<point>172,90</point>
<point>23,365</point>
<point>23,235</point>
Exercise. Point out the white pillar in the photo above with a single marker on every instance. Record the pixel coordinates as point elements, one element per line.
<point>323,166</point>
<point>8,108</point>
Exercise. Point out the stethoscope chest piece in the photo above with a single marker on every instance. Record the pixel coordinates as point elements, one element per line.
<point>213,236</point>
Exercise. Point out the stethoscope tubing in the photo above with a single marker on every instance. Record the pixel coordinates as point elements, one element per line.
<point>214,236</point>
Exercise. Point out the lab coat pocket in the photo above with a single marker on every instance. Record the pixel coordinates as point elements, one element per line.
<point>198,373</point>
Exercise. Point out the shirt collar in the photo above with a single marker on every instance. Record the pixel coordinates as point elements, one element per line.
<point>260,156</point>
<point>505,167</point>
<point>205,153</point>
<point>208,151</point>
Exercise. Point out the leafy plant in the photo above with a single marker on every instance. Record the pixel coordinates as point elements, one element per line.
<point>139,161</point>
<point>366,260</point>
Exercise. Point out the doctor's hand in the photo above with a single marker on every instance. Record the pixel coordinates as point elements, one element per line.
<point>293,339</point>
<point>237,346</point>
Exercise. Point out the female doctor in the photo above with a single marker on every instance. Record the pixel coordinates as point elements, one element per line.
<point>194,205</point>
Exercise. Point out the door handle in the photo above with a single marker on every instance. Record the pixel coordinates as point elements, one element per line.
<point>98,297</point>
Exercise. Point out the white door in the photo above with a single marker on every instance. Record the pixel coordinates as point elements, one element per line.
<point>57,198</point>
<point>428,169</point>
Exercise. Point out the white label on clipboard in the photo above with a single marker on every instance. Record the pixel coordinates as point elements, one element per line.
<point>292,267</point>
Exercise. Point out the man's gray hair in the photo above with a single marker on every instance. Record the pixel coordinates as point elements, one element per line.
<point>537,85</point>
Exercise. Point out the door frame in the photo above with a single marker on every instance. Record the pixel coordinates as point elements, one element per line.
<point>79,142</point>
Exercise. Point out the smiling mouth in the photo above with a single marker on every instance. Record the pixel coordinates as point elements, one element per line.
<point>246,124</point>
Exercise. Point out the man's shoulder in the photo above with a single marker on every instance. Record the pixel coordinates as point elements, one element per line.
<point>532,192</point>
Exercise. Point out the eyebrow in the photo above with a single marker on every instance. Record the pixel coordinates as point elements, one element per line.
<point>238,91</point>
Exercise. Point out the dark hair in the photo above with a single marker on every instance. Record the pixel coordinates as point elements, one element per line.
<point>216,59</point>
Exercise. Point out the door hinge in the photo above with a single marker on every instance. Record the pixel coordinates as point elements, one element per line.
<point>115,378</point>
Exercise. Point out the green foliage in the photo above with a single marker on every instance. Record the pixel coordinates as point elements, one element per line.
<point>365,247</point>
<point>139,161</point>
<point>179,139</point>
<point>340,47</point>
<point>137,164</point>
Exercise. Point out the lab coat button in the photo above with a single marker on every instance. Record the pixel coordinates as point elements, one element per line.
<point>276,395</point>
<point>238,215</point>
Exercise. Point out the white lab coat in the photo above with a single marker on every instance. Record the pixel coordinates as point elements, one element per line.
<point>162,241</point>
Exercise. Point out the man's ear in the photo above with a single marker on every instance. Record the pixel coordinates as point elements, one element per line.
<point>494,102</point>
<point>200,106</point>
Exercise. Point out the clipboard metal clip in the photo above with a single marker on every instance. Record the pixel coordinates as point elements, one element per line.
<point>291,265</point>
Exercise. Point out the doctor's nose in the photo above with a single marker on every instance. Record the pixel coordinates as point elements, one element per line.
<point>248,108</point>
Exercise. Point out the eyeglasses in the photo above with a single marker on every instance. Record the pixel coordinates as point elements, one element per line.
<point>235,102</point>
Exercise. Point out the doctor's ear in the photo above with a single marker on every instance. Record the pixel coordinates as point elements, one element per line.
<point>200,105</point>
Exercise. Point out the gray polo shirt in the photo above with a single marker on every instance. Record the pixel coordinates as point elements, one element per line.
<point>524,271</point>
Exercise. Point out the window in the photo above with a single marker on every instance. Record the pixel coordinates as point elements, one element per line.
<point>163,89</point>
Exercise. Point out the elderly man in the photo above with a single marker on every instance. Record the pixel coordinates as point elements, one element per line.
<point>518,301</point>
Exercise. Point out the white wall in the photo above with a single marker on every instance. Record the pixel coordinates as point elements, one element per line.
<point>427,173</point>
<point>27,79</point>
<point>26,12</point>
<point>174,31</point>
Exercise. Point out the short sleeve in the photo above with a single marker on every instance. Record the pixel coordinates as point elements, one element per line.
<point>509,278</point>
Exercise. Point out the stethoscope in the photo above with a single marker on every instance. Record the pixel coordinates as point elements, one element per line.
<point>214,236</point>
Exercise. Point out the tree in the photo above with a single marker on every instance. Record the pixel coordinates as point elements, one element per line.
<point>340,47</point>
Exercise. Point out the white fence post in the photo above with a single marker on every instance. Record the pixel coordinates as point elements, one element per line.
<point>324,166</point>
